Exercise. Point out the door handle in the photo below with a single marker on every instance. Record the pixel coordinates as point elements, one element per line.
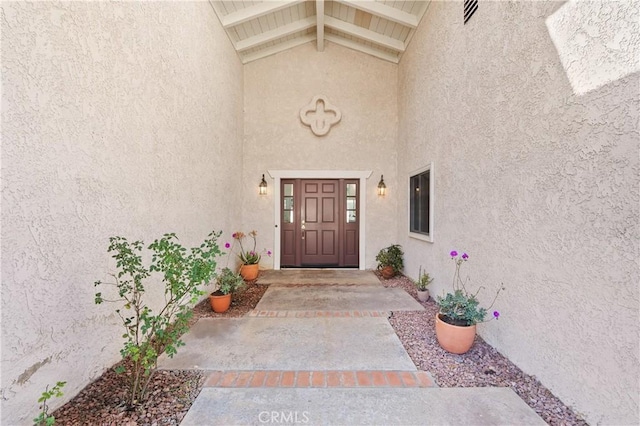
<point>303,228</point>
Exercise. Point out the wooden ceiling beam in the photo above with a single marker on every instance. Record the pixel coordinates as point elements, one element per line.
<point>281,47</point>
<point>383,11</point>
<point>320,25</point>
<point>361,48</point>
<point>252,12</point>
<point>372,36</point>
<point>275,34</point>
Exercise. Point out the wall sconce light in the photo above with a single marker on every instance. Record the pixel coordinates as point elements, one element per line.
<point>263,186</point>
<point>382,188</point>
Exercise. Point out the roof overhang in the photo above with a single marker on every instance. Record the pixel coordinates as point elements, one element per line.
<point>261,28</point>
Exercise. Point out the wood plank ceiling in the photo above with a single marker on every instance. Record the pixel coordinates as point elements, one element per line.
<point>261,28</point>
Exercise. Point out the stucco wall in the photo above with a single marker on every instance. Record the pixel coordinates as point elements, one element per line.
<point>117,119</point>
<point>363,88</point>
<point>538,184</point>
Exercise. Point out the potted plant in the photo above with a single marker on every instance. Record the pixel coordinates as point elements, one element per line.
<point>390,260</point>
<point>250,259</point>
<point>423,282</point>
<point>228,282</point>
<point>459,313</point>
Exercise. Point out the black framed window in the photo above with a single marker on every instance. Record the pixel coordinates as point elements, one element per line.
<point>421,203</point>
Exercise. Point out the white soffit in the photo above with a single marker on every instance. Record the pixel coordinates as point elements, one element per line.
<point>379,28</point>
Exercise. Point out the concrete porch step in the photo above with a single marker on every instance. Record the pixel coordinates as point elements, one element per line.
<point>317,276</point>
<point>339,297</point>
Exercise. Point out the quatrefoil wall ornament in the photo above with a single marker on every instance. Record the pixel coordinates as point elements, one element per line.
<point>320,115</point>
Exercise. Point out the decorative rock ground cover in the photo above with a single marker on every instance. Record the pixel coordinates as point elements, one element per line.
<point>481,366</point>
<point>171,392</point>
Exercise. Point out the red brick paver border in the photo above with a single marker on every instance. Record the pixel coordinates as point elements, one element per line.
<point>319,379</point>
<point>288,378</point>
<point>303,379</point>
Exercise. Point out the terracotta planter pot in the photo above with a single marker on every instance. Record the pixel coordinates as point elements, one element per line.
<point>387,272</point>
<point>249,272</point>
<point>220,303</point>
<point>453,338</point>
<point>423,295</point>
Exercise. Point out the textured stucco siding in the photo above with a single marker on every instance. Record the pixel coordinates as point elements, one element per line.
<point>363,88</point>
<point>117,119</point>
<point>538,182</point>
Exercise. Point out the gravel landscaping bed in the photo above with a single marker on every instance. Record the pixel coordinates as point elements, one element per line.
<point>173,392</point>
<point>481,366</point>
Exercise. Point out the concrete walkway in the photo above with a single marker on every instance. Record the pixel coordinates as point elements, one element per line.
<point>319,350</point>
<point>290,343</point>
<point>358,406</point>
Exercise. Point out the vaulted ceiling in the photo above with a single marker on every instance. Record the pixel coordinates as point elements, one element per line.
<point>261,28</point>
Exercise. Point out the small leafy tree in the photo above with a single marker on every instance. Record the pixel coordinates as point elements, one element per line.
<point>44,419</point>
<point>148,334</point>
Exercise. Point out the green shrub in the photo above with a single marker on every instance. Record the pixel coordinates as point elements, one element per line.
<point>229,281</point>
<point>391,256</point>
<point>147,334</point>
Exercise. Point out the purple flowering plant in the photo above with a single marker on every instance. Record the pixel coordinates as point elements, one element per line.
<point>462,307</point>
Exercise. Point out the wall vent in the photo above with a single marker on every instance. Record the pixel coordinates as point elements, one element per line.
<point>470,7</point>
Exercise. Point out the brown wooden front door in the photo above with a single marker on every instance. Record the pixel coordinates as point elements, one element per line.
<point>319,226</point>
